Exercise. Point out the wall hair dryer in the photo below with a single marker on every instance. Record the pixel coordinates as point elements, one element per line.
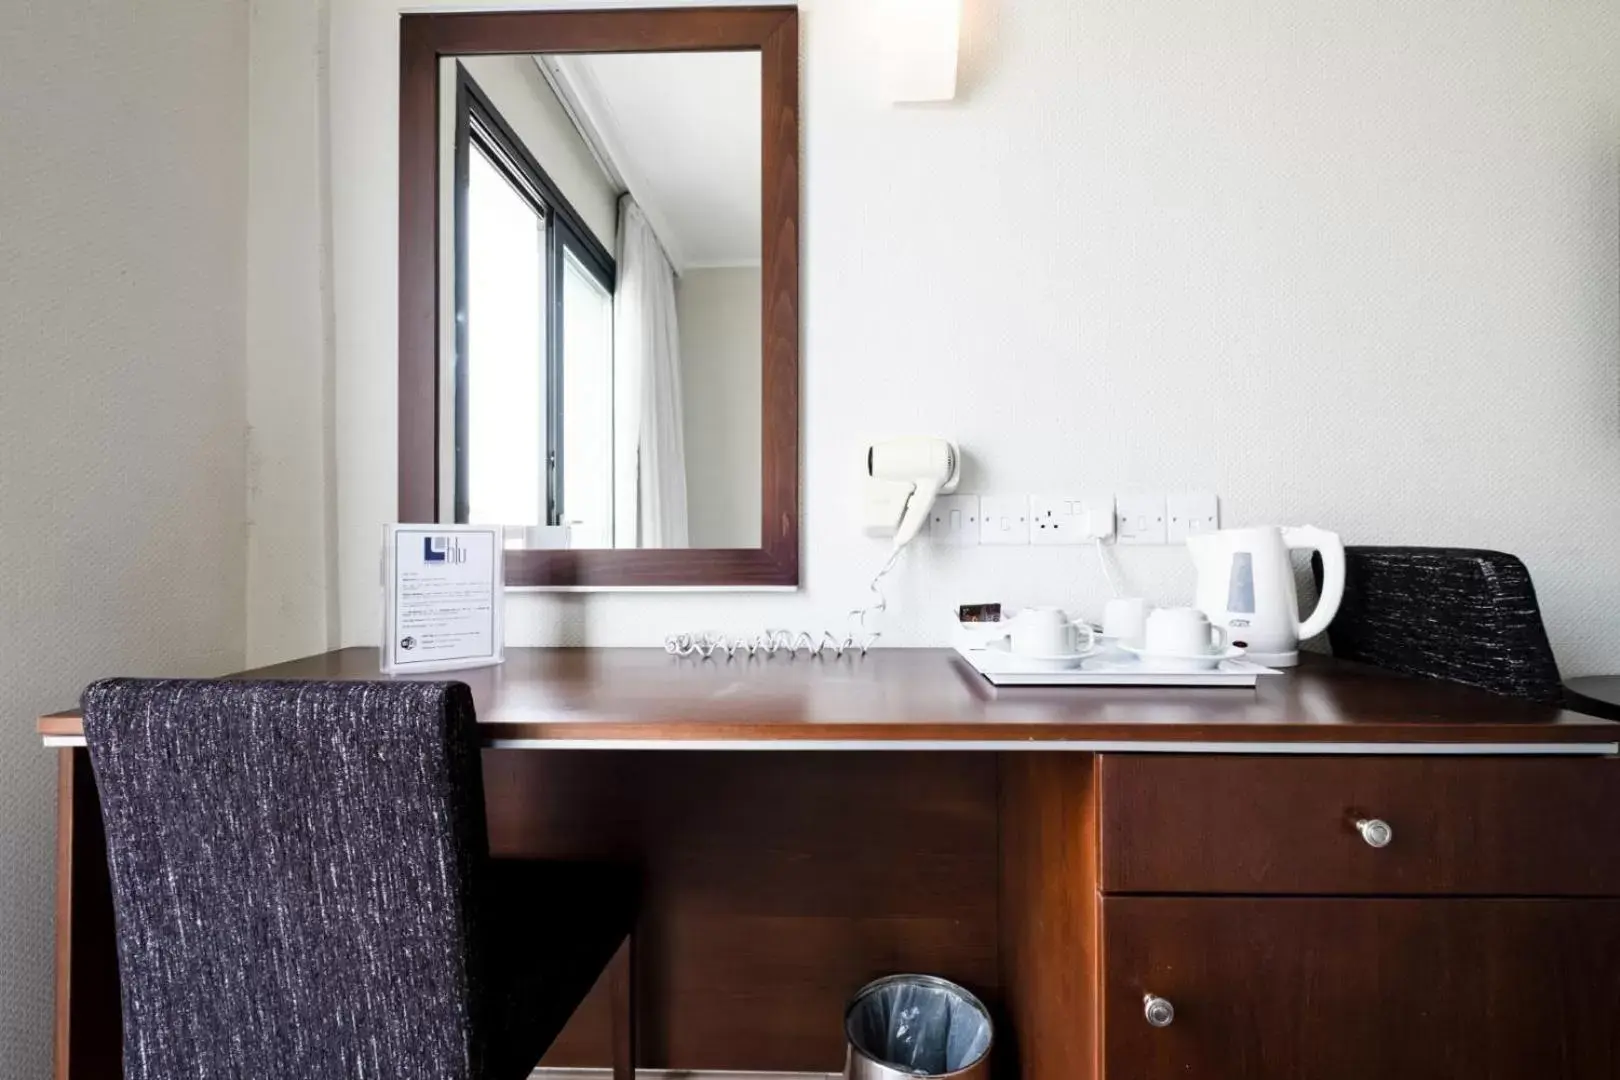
<point>903,478</point>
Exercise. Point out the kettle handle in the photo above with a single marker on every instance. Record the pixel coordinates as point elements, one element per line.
<point>1310,538</point>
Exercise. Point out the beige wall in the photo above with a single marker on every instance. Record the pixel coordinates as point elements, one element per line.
<point>291,562</point>
<point>718,312</point>
<point>122,486</point>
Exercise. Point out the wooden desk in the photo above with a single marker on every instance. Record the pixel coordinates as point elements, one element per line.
<point>1060,853</point>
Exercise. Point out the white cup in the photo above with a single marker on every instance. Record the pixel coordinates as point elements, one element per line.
<point>1125,620</point>
<point>1048,632</point>
<point>1182,632</point>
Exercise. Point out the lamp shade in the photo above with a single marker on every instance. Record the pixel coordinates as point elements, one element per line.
<point>922,38</point>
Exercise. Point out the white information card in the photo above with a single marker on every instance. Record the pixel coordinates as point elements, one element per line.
<point>443,593</point>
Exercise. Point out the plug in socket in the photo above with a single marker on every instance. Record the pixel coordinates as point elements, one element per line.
<point>1070,519</point>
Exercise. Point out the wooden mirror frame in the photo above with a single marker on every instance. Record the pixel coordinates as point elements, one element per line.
<point>774,32</point>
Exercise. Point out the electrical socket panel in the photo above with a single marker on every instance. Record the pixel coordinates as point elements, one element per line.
<point>1003,519</point>
<point>954,520</point>
<point>1050,520</point>
<point>1191,512</point>
<point>1141,519</point>
<point>1070,519</point>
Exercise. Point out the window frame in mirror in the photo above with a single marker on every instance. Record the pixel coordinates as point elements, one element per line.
<point>773,32</point>
<point>481,128</point>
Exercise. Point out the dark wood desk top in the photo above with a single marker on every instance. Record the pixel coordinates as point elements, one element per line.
<point>635,697</point>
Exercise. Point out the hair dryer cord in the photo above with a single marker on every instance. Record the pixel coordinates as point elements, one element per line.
<point>857,639</point>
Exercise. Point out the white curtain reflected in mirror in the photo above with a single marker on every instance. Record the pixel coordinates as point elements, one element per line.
<point>649,350</point>
<point>601,295</point>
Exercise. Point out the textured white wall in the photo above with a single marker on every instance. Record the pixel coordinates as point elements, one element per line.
<point>1353,265</point>
<point>718,312</point>
<point>122,492</point>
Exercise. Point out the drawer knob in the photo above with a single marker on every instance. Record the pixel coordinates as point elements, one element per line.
<point>1158,1011</point>
<point>1377,833</point>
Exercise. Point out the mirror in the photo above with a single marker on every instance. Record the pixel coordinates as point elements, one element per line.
<point>614,296</point>
<point>604,373</point>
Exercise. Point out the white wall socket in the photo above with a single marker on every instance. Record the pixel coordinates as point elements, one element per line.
<point>1190,512</point>
<point>954,519</point>
<point>1140,519</point>
<point>1045,520</point>
<point>1070,519</point>
<point>1003,519</point>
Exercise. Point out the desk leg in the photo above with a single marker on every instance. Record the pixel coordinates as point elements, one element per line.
<point>89,1028</point>
<point>1049,950</point>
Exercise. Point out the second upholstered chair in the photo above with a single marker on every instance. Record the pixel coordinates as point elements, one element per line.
<point>303,888</point>
<point>1457,614</point>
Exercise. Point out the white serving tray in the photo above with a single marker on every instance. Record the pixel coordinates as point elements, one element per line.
<point>1003,668</point>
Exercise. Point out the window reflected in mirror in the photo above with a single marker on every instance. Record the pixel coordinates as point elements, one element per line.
<point>601,295</point>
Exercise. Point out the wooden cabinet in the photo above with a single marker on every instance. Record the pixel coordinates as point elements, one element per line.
<point>1455,826</point>
<point>1481,942</point>
<point>1354,989</point>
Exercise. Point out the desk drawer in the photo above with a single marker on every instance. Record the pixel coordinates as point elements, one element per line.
<point>1289,825</point>
<point>1350,989</point>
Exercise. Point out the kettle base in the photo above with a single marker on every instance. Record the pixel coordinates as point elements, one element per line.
<point>1273,659</point>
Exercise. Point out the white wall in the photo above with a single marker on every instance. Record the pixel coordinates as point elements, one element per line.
<point>718,312</point>
<point>1353,265</point>
<point>122,480</point>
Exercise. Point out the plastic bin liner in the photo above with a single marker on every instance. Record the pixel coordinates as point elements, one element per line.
<point>919,1024</point>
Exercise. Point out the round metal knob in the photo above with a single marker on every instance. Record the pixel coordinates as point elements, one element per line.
<point>1158,1011</point>
<point>1376,833</point>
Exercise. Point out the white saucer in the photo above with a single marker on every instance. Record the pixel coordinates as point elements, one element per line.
<point>1188,662</point>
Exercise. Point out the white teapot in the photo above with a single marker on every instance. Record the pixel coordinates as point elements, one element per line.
<point>1246,584</point>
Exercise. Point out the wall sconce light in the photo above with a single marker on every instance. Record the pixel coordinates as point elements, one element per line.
<point>923,36</point>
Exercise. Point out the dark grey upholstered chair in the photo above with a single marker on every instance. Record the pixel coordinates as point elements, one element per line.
<point>1448,613</point>
<point>303,890</point>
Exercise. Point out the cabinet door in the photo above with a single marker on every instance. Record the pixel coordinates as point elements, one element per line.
<point>1356,989</point>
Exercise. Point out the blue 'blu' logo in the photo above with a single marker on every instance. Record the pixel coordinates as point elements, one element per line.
<point>442,549</point>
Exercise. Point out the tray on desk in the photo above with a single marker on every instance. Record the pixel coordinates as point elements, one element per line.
<point>1002,668</point>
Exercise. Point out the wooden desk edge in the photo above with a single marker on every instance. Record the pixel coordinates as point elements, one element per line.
<point>1577,736</point>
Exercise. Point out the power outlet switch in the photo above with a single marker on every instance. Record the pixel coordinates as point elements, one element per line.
<point>1003,519</point>
<point>954,520</point>
<point>1189,513</point>
<point>1141,519</point>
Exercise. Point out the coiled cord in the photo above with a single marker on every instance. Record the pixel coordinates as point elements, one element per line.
<point>858,639</point>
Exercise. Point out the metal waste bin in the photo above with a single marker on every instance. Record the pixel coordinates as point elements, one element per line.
<point>916,1025</point>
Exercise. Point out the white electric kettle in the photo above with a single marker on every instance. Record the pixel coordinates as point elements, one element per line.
<point>1246,584</point>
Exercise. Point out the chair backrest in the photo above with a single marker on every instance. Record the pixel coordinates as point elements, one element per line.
<point>1448,613</point>
<point>293,867</point>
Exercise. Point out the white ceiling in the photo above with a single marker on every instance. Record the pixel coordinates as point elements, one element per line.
<point>682,131</point>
